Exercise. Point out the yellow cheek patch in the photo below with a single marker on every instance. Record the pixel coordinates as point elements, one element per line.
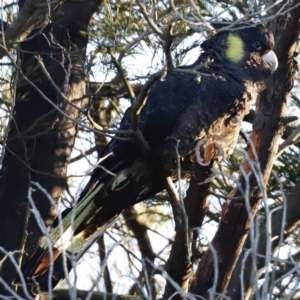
<point>235,48</point>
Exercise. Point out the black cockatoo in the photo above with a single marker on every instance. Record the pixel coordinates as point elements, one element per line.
<point>191,110</point>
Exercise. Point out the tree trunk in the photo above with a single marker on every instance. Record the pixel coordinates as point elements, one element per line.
<point>41,139</point>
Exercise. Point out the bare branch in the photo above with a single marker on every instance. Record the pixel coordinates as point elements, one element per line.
<point>290,222</point>
<point>148,255</point>
<point>83,154</point>
<point>293,139</point>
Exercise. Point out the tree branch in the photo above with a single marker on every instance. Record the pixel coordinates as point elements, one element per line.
<point>31,17</point>
<point>293,139</point>
<point>102,255</point>
<point>104,90</point>
<point>179,265</point>
<point>148,255</point>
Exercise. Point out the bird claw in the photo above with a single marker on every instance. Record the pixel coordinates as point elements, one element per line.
<point>199,159</point>
<point>211,149</point>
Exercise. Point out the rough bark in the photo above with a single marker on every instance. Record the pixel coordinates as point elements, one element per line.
<point>267,130</point>
<point>40,139</point>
